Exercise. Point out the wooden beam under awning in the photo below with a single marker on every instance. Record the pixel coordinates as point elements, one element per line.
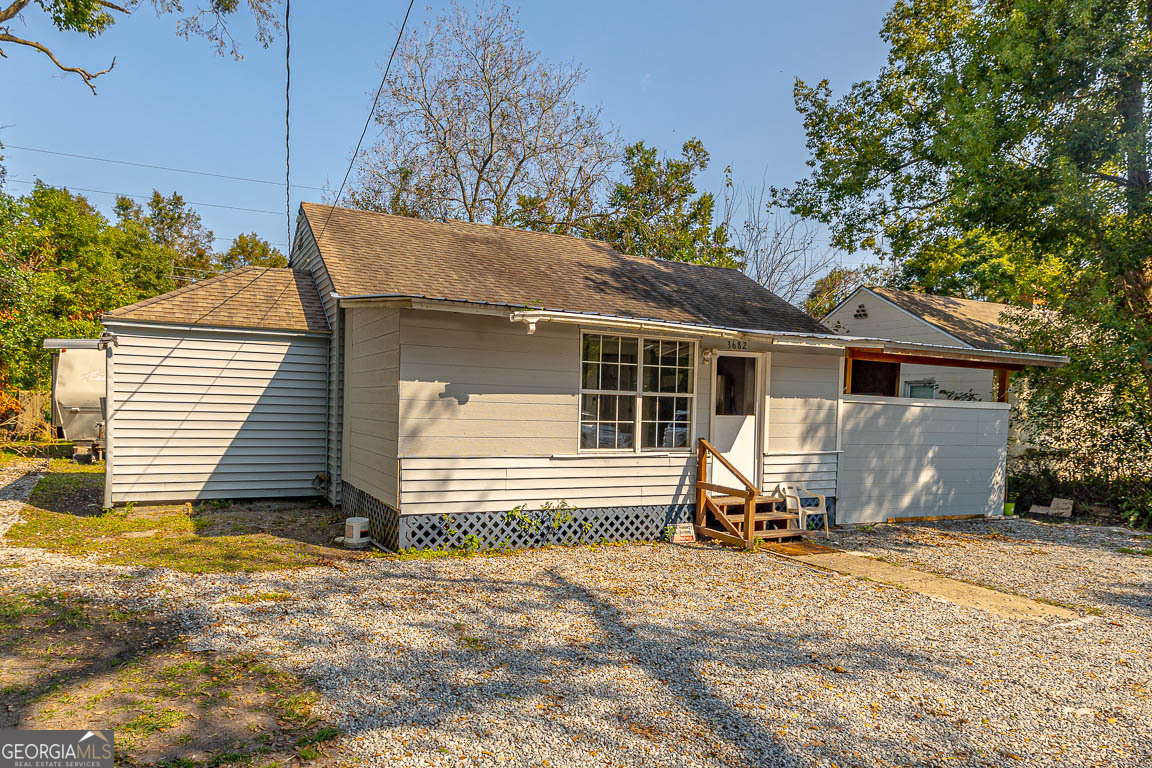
<point>950,360</point>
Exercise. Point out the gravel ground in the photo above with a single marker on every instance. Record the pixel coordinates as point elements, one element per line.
<point>1075,565</point>
<point>659,656</point>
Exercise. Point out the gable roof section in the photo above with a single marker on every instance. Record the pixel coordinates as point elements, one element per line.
<point>972,322</point>
<point>369,253</point>
<point>249,297</point>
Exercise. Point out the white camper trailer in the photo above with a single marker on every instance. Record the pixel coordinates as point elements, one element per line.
<point>78,384</point>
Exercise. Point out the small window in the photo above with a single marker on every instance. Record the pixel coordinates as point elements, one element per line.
<point>921,390</point>
<point>735,386</point>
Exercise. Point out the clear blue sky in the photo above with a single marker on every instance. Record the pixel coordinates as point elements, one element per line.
<point>662,72</point>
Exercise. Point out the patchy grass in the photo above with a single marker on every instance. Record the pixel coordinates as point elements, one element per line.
<point>64,514</point>
<point>69,663</point>
<point>1147,552</point>
<point>34,449</point>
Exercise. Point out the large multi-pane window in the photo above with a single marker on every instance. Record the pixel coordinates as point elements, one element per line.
<point>635,393</point>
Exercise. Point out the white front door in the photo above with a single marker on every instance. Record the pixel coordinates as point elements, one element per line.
<point>735,407</point>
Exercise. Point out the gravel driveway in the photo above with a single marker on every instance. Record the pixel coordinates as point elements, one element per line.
<point>674,656</point>
<point>1075,565</point>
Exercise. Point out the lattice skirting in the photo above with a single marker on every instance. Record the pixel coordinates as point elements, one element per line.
<point>383,520</point>
<point>816,522</point>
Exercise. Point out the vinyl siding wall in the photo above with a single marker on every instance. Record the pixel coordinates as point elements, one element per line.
<point>306,256</point>
<point>372,372</point>
<point>911,458</point>
<point>886,321</point>
<point>802,421</point>
<point>489,420</point>
<point>201,413</point>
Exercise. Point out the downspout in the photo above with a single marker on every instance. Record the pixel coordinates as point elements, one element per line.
<point>108,344</point>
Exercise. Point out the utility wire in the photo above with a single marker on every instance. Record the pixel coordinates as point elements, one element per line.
<point>149,197</point>
<point>287,121</point>
<point>156,167</point>
<point>371,114</point>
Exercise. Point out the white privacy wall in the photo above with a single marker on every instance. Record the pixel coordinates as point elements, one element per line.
<point>912,458</point>
<point>199,413</point>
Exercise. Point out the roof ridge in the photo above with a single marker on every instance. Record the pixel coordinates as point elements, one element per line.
<point>940,296</point>
<point>518,230</point>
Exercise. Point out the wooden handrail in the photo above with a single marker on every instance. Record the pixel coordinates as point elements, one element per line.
<point>707,446</point>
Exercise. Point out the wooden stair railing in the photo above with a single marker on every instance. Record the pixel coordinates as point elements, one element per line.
<point>743,535</point>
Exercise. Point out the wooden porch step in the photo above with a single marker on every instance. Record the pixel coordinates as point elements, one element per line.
<point>730,501</point>
<point>738,517</point>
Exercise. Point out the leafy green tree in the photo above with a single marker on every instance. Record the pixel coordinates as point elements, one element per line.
<point>94,17</point>
<point>61,266</point>
<point>172,224</point>
<point>250,250</point>
<point>656,211</point>
<point>1003,152</point>
<point>834,287</point>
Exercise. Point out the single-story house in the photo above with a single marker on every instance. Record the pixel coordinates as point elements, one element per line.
<point>465,383</point>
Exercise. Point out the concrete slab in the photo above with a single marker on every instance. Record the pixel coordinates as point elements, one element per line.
<point>931,585</point>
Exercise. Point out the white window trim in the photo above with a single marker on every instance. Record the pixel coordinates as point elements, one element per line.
<point>637,440</point>
<point>920,383</point>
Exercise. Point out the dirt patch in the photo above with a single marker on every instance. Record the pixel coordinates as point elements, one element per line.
<point>68,663</point>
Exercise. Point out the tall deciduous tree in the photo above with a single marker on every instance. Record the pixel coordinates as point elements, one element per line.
<point>657,211</point>
<point>250,250</point>
<point>172,224</point>
<point>477,126</point>
<point>94,17</point>
<point>1003,152</point>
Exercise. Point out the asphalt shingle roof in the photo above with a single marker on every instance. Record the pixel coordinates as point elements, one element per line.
<point>249,297</point>
<point>973,322</point>
<point>375,253</point>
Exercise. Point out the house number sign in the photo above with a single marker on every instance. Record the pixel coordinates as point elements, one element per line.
<point>737,344</point>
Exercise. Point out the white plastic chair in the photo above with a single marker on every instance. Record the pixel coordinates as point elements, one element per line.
<point>792,494</point>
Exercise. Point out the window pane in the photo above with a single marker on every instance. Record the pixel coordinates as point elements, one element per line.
<point>607,436</point>
<point>608,408</point>
<point>611,349</point>
<point>684,359</point>
<point>651,352</point>
<point>649,409</point>
<point>591,376</point>
<point>664,408</point>
<point>627,408</point>
<point>683,380</point>
<point>628,350</point>
<point>592,348</point>
<point>624,431</point>
<point>667,379</point>
<point>651,379</point>
<point>588,407</point>
<point>628,378</point>
<point>588,435</point>
<point>649,435</point>
<point>668,352</point>
<point>609,376</point>
<point>735,386</point>
<point>682,410</point>
<point>677,436</point>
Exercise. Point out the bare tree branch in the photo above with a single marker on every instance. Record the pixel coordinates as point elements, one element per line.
<point>84,74</point>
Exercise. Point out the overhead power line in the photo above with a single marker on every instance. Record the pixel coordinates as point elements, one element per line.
<point>287,115</point>
<point>157,167</point>
<point>149,197</point>
<point>371,114</point>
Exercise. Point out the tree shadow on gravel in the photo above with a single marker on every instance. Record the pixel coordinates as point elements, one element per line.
<point>486,651</point>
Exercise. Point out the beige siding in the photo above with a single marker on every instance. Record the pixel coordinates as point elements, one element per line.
<point>306,256</point>
<point>815,472</point>
<point>802,402</point>
<point>498,484</point>
<point>886,321</point>
<point>201,414</point>
<point>910,458</point>
<point>372,373</point>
